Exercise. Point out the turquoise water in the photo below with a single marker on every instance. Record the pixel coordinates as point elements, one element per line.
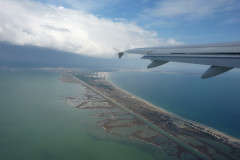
<point>35,123</point>
<point>214,102</point>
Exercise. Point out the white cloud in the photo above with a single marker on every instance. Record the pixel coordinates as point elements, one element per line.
<point>28,22</point>
<point>191,9</point>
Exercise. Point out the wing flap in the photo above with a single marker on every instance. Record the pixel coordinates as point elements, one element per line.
<point>213,60</point>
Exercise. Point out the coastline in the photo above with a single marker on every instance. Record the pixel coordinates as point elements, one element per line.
<point>141,126</point>
<point>160,109</point>
<point>171,132</point>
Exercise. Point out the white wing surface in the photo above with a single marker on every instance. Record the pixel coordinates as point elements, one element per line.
<point>221,57</point>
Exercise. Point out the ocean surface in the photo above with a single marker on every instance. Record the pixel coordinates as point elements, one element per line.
<point>214,102</point>
<point>36,123</point>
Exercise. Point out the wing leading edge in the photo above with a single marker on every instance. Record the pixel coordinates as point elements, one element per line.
<point>222,57</point>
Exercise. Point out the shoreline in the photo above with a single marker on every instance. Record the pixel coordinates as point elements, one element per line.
<point>138,121</point>
<point>160,109</point>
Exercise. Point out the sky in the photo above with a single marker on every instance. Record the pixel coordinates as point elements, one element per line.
<point>95,27</point>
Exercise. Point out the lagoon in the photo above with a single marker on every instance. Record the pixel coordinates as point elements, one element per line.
<point>36,123</point>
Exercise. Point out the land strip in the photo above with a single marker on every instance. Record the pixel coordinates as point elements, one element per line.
<point>188,135</point>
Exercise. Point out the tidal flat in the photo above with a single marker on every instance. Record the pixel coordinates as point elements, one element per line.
<point>37,123</point>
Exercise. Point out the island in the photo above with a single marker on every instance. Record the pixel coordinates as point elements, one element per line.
<point>128,116</point>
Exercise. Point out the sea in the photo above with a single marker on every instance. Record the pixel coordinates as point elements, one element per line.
<point>214,102</point>
<point>36,123</point>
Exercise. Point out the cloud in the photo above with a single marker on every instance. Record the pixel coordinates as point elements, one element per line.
<point>85,5</point>
<point>28,22</point>
<point>191,9</point>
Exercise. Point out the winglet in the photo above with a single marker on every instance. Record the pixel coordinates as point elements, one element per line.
<point>214,71</point>
<point>120,54</point>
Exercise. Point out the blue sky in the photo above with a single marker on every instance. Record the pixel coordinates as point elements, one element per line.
<point>95,27</point>
<point>219,20</point>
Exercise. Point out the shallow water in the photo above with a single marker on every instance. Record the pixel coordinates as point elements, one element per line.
<point>36,123</point>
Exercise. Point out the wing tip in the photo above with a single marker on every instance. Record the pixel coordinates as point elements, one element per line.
<point>120,54</point>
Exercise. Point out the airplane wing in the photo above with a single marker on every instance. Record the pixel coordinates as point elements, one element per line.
<point>222,57</point>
